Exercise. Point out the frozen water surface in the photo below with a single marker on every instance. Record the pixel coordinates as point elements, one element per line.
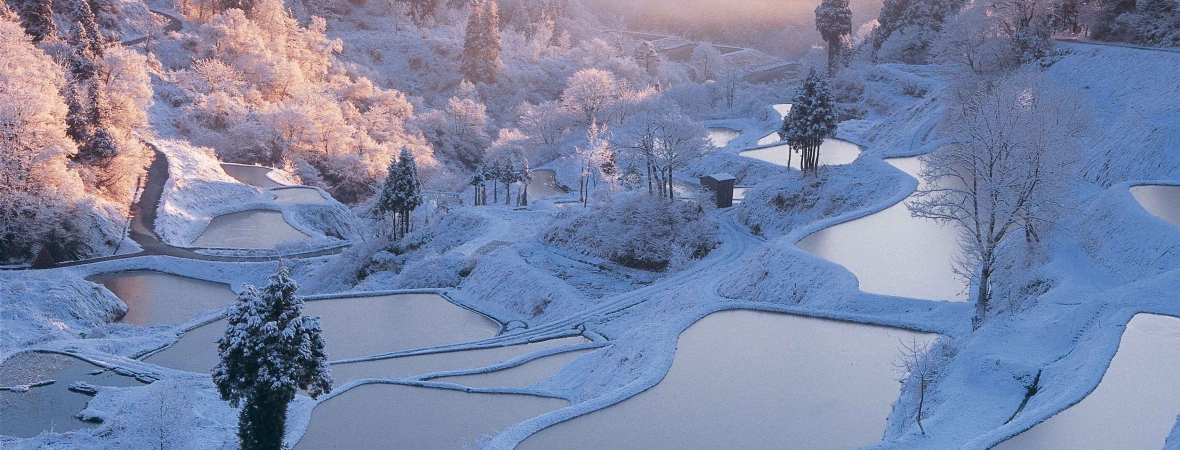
<point>544,184</point>
<point>893,253</point>
<point>520,376</point>
<point>1135,405</point>
<point>52,407</point>
<point>407,366</point>
<point>747,379</point>
<point>253,229</point>
<point>833,152</point>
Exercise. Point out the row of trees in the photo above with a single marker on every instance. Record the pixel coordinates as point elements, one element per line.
<point>504,173</point>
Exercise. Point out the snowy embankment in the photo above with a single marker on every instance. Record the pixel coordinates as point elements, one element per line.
<point>199,190</point>
<point>1106,263</point>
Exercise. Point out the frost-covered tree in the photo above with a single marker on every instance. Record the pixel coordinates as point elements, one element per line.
<point>269,351</point>
<point>812,119</point>
<point>706,62</point>
<point>907,28</point>
<point>39,192</point>
<point>526,177</point>
<point>647,58</point>
<point>833,19</point>
<point>37,19</point>
<point>481,45</point>
<point>1007,169</point>
<point>477,182</point>
<point>590,93</point>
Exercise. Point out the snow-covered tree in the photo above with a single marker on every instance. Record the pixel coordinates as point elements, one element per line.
<point>1006,170</point>
<point>481,45</point>
<point>269,351</point>
<point>590,93</point>
<point>401,193</point>
<point>477,181</point>
<point>909,27</point>
<point>526,177</point>
<point>812,119</point>
<point>706,61</point>
<point>833,19</point>
<point>37,19</point>
<point>647,58</point>
<point>39,193</point>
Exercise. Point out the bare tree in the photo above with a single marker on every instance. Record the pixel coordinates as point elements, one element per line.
<point>1006,169</point>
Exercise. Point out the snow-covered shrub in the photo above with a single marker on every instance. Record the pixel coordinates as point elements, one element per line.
<point>636,230</point>
<point>504,279</point>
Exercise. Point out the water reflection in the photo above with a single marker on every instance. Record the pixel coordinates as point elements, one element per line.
<point>253,229</point>
<point>893,253</point>
<point>1135,405</point>
<point>1161,201</point>
<point>52,407</point>
<point>745,379</point>
<point>544,184</point>
<point>155,298</point>
<point>382,416</point>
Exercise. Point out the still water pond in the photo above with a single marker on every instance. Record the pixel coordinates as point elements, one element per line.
<point>1135,405</point>
<point>155,298</point>
<point>252,175</point>
<point>746,379</point>
<point>384,416</point>
<point>253,229</point>
<point>298,195</point>
<point>1162,201</point>
<point>893,253</point>
<point>52,407</point>
<point>544,184</point>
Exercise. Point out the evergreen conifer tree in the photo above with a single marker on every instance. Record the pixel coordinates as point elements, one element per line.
<point>393,196</point>
<point>812,119</point>
<point>410,187</point>
<point>37,19</point>
<point>481,45</point>
<point>526,177</point>
<point>269,351</point>
<point>477,181</point>
<point>833,20</point>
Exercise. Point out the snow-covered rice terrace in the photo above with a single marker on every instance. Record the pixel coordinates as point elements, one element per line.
<point>822,312</point>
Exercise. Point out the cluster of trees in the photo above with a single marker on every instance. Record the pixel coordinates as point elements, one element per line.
<point>501,173</point>
<point>812,119</point>
<point>1144,22</point>
<point>401,194</point>
<point>69,113</point>
<point>264,89</point>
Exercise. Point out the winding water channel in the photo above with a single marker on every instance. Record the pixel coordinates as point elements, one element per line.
<point>893,253</point>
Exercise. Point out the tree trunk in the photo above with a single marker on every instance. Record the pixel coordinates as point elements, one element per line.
<point>649,183</point>
<point>524,196</point>
<point>495,192</point>
<point>261,424</point>
<point>982,297</point>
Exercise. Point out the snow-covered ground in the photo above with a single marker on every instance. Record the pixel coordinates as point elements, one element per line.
<point>1108,262</point>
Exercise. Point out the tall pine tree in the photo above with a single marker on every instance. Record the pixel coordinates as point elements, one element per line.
<point>481,45</point>
<point>812,119</point>
<point>411,186</point>
<point>833,20</point>
<point>269,351</point>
